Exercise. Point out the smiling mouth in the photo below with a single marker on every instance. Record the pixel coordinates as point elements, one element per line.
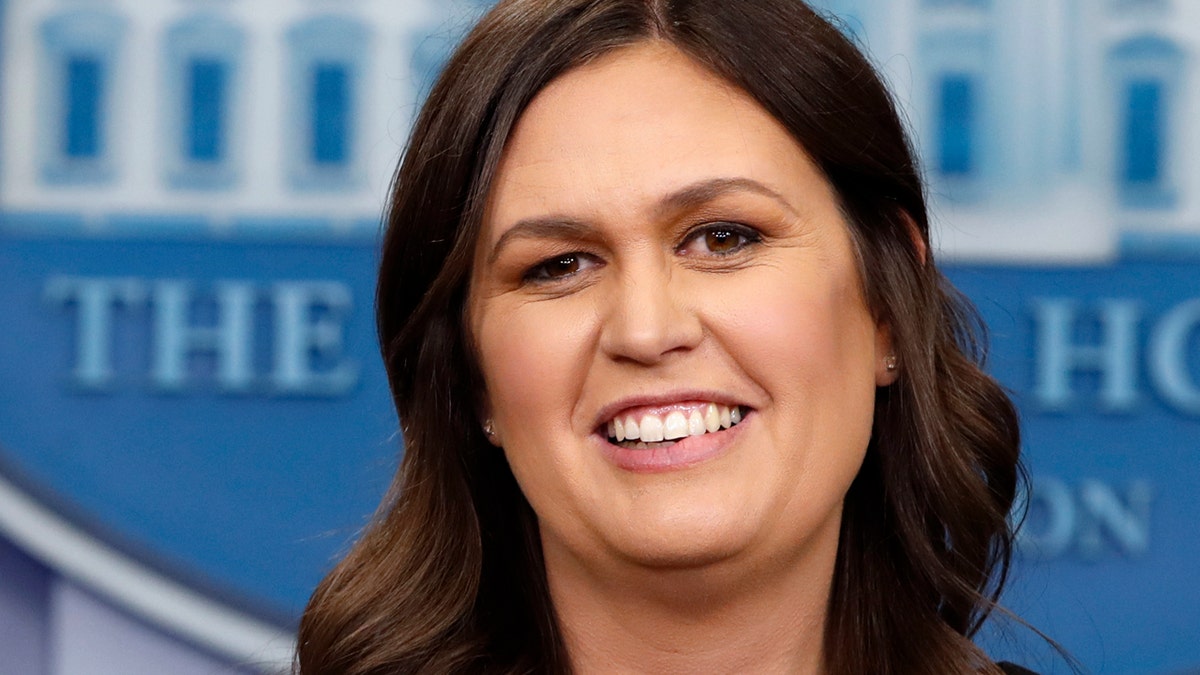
<point>648,431</point>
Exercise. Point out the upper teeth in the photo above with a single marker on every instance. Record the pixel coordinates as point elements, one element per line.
<point>675,424</point>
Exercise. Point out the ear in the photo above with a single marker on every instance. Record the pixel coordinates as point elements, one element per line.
<point>887,365</point>
<point>918,241</point>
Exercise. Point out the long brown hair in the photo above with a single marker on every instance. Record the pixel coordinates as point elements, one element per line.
<point>449,578</point>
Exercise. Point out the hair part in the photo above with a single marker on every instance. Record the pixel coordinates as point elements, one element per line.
<point>449,577</point>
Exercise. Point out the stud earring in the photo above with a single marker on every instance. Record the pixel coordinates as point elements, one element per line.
<point>489,428</point>
<point>891,363</point>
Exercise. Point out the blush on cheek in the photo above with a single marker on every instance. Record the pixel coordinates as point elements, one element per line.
<point>534,360</point>
<point>793,327</point>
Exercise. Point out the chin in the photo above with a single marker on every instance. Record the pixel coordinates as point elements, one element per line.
<point>682,558</point>
<point>684,545</point>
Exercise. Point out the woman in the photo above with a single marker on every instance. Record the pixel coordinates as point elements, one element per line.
<point>680,385</point>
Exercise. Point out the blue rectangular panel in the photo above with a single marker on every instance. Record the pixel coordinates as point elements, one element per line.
<point>331,113</point>
<point>956,132</point>
<point>205,111</point>
<point>84,94</point>
<point>1143,132</point>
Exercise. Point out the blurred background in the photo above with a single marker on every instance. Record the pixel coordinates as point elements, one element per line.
<point>193,421</point>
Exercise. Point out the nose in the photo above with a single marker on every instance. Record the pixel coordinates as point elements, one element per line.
<point>649,316</point>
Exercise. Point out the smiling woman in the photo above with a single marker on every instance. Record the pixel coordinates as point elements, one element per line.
<point>681,387</point>
<point>707,273</point>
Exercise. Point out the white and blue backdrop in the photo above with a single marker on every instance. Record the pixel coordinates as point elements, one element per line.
<point>193,419</point>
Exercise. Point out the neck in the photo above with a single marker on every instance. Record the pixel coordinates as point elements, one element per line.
<point>725,617</point>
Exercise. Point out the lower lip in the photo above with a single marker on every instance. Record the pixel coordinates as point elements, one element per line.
<point>686,452</point>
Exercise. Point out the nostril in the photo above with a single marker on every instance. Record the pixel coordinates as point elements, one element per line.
<point>647,327</point>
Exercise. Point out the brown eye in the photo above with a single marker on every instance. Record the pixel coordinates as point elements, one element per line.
<point>722,241</point>
<point>719,239</point>
<point>559,267</point>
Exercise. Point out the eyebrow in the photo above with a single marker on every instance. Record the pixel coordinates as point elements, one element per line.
<point>687,198</point>
<point>549,227</point>
<point>703,192</point>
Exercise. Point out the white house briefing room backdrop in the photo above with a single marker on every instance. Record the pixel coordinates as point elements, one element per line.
<point>194,421</point>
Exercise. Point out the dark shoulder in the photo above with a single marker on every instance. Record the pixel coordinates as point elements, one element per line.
<point>1011,669</point>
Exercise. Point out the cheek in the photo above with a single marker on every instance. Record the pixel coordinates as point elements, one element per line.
<point>533,359</point>
<point>810,345</point>
<point>805,329</point>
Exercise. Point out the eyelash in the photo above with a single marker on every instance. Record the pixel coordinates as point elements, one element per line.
<point>747,236</point>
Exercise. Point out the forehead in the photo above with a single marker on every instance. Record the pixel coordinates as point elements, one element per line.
<point>639,123</point>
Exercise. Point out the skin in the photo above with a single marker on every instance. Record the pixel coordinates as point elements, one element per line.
<point>722,564</point>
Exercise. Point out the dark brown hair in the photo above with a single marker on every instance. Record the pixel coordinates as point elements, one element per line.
<point>449,578</point>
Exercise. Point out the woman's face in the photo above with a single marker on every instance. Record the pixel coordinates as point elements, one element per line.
<point>658,258</point>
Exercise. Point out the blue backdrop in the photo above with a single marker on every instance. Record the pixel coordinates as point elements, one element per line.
<point>188,370</point>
